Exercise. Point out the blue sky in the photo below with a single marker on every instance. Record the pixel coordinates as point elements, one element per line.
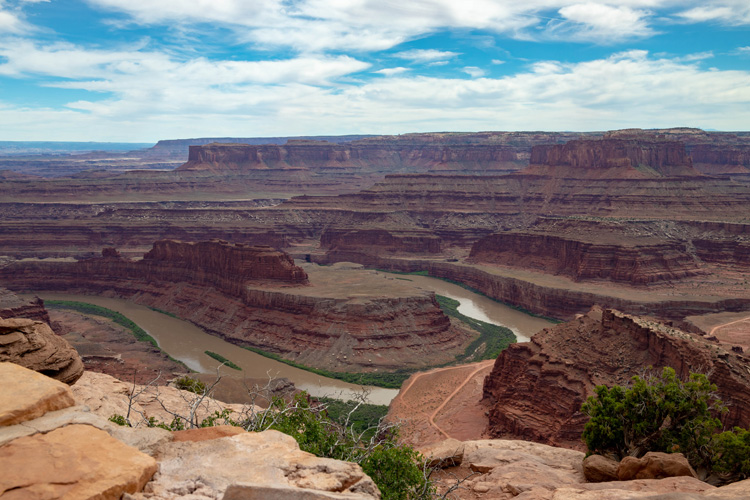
<point>144,70</point>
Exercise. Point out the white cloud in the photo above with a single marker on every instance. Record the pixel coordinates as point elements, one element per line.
<point>629,89</point>
<point>374,25</point>
<point>10,23</point>
<point>600,22</point>
<point>392,71</point>
<point>498,61</point>
<point>113,68</point>
<point>473,71</point>
<point>731,12</point>
<point>426,55</point>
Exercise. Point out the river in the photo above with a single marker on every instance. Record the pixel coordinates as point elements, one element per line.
<point>187,343</point>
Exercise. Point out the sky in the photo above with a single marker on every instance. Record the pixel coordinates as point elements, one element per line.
<point>144,70</point>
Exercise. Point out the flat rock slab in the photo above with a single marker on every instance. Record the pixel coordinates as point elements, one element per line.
<point>27,394</point>
<point>73,462</point>
<point>268,460</point>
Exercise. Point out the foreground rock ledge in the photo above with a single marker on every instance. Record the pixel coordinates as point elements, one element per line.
<point>265,465</point>
<point>27,394</point>
<point>77,461</point>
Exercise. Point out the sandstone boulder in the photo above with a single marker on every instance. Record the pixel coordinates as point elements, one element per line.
<point>77,461</point>
<point>599,469</point>
<point>27,394</point>
<point>447,453</point>
<point>269,462</point>
<point>34,345</point>
<point>654,465</point>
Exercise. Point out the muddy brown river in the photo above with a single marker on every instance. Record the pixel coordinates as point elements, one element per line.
<point>186,342</point>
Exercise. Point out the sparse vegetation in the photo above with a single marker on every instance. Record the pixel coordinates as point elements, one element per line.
<point>663,413</point>
<point>473,290</point>
<point>344,431</point>
<point>86,308</point>
<point>391,380</point>
<point>494,337</point>
<point>190,384</point>
<point>223,360</point>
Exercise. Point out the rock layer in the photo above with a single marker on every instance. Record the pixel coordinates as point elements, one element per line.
<point>341,328</point>
<point>536,388</point>
<point>34,345</point>
<point>635,261</point>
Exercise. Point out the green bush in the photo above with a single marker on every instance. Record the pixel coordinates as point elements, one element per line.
<point>190,384</point>
<point>396,469</point>
<point>663,413</point>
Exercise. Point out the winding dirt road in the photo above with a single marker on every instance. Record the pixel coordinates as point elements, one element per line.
<point>727,324</point>
<point>483,365</point>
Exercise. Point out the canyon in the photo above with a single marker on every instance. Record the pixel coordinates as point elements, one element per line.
<point>257,297</point>
<point>650,226</point>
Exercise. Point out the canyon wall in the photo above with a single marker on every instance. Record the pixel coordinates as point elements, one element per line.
<point>380,240</point>
<point>226,290</point>
<point>536,388</point>
<point>638,262</point>
<point>563,302</point>
<point>628,157</point>
<point>13,306</point>
<point>364,157</point>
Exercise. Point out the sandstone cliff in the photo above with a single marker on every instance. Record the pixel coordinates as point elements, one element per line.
<point>628,158</point>
<point>363,157</point>
<point>13,306</point>
<point>380,240</point>
<point>34,345</point>
<point>635,261</point>
<point>536,388</point>
<point>340,322</point>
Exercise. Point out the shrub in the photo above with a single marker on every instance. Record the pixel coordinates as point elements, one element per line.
<point>663,413</point>
<point>658,413</point>
<point>190,384</point>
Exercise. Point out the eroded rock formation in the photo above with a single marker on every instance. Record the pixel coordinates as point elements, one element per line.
<point>340,323</point>
<point>34,345</point>
<point>536,388</point>
<point>636,261</point>
<point>13,306</point>
<point>378,241</point>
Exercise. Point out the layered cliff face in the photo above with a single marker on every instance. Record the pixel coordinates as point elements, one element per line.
<point>33,345</point>
<point>221,259</point>
<point>13,306</point>
<point>634,261</point>
<point>629,158</point>
<point>536,388</point>
<point>340,321</point>
<point>380,240</point>
<point>361,157</point>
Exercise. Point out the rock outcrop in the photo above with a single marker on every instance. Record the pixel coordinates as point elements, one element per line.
<point>536,388</point>
<point>629,158</point>
<point>379,241</point>
<point>69,451</point>
<point>638,261</point>
<point>27,394</point>
<point>34,345</point>
<point>511,469</point>
<point>342,324</point>
<point>218,263</point>
<point>13,306</point>
<point>76,461</point>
